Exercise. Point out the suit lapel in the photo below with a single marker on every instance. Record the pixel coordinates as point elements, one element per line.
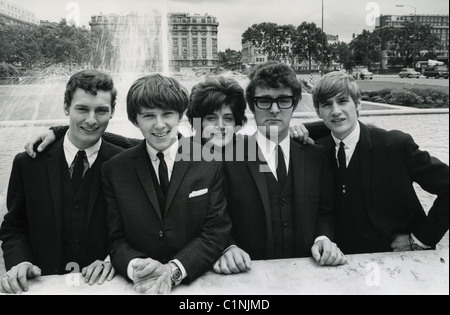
<point>103,155</point>
<point>180,167</point>
<point>261,183</point>
<point>142,165</point>
<point>297,163</point>
<point>55,168</point>
<point>366,147</point>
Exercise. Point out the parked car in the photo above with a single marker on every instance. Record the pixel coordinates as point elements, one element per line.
<point>409,73</point>
<point>436,72</point>
<point>362,73</point>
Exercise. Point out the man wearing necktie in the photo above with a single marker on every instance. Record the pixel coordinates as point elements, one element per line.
<point>280,196</point>
<point>166,209</point>
<point>377,206</point>
<point>56,220</point>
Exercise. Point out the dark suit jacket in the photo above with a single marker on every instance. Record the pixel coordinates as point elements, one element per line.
<point>193,229</point>
<point>249,205</point>
<point>391,162</point>
<point>32,228</point>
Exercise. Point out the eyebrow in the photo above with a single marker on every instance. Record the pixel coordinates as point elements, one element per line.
<point>269,96</point>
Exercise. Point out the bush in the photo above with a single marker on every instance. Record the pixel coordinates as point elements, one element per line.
<point>7,70</point>
<point>414,97</point>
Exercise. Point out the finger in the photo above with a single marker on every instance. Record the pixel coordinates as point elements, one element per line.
<point>224,267</point>
<point>333,255</point>
<point>89,271</point>
<point>45,143</point>
<point>216,267</point>
<point>95,274</point>
<point>166,285</point>
<point>112,274</point>
<point>315,252</point>
<point>29,149</point>
<point>148,270</point>
<point>12,279</point>
<point>326,252</point>
<point>34,271</point>
<point>105,272</point>
<point>144,286</point>
<point>247,262</point>
<point>22,276</point>
<point>5,286</point>
<point>84,271</point>
<point>232,262</point>
<point>310,141</point>
<point>305,133</point>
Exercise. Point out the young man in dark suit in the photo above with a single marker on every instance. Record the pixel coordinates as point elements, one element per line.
<point>279,191</point>
<point>56,220</point>
<point>167,216</point>
<point>377,207</point>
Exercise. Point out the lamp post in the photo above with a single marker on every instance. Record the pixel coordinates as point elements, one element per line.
<point>323,33</point>
<point>414,30</point>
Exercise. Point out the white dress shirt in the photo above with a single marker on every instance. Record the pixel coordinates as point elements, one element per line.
<point>70,152</point>
<point>350,143</point>
<point>270,151</point>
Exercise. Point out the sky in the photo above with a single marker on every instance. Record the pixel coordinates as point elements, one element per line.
<point>340,17</point>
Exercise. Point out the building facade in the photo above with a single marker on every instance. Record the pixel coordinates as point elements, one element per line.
<point>438,22</point>
<point>15,15</point>
<point>191,39</point>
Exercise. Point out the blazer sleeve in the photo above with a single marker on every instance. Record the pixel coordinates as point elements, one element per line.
<point>202,252</point>
<point>14,230</point>
<point>120,251</point>
<point>433,176</point>
<point>325,219</point>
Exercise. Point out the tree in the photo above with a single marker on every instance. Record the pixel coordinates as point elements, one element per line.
<point>307,43</point>
<point>229,58</point>
<point>341,53</point>
<point>270,39</point>
<point>408,41</point>
<point>366,48</point>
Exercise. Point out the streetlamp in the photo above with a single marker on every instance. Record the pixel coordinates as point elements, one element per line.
<point>322,67</point>
<point>414,30</point>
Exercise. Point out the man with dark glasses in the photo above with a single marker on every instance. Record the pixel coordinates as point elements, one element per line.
<point>280,196</point>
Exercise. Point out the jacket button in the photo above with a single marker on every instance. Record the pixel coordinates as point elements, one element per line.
<point>161,233</point>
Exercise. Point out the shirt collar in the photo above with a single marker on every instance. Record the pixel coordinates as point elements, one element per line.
<point>169,153</point>
<point>351,140</point>
<point>70,151</point>
<point>268,147</point>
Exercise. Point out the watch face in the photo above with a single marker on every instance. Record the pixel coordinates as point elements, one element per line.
<point>177,276</point>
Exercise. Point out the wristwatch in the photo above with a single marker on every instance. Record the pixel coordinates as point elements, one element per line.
<point>414,245</point>
<point>176,275</point>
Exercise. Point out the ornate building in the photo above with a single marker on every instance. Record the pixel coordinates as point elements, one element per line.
<point>15,15</point>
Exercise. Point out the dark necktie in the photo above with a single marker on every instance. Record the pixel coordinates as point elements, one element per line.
<point>342,165</point>
<point>281,168</point>
<point>78,169</point>
<point>163,173</point>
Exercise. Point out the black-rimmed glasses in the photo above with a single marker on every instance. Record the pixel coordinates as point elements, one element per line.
<point>284,102</point>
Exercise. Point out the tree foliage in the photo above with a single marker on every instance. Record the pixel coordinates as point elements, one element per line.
<point>270,39</point>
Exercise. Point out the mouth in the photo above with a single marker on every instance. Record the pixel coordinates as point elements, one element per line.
<point>160,135</point>
<point>338,120</point>
<point>89,129</point>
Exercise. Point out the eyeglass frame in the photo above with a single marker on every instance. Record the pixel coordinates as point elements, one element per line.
<point>275,100</point>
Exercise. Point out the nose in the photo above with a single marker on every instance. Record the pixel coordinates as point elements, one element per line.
<point>220,123</point>
<point>336,109</point>
<point>274,109</point>
<point>91,118</point>
<point>159,122</point>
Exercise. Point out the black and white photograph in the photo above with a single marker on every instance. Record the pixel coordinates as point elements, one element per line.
<point>224,152</point>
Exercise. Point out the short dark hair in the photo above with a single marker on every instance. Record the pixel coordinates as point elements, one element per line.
<point>156,91</point>
<point>212,94</point>
<point>90,81</point>
<point>333,84</point>
<point>273,74</point>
